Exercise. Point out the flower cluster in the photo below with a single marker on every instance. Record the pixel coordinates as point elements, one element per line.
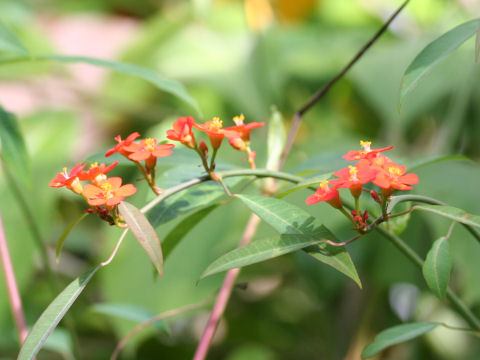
<point>147,150</point>
<point>103,194</point>
<point>372,166</point>
<point>238,136</point>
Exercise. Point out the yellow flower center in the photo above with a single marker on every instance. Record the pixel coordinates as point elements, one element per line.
<point>107,190</point>
<point>150,144</point>
<point>215,124</point>
<point>366,145</point>
<point>324,185</point>
<point>353,173</point>
<point>238,120</point>
<point>395,171</point>
<point>95,164</point>
<point>65,172</point>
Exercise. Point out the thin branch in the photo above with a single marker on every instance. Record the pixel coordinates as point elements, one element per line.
<point>224,295</point>
<point>114,252</point>
<point>152,320</point>
<point>297,117</point>
<point>12,288</point>
<point>343,243</point>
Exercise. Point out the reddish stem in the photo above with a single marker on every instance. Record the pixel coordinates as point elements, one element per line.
<point>12,288</point>
<point>224,295</point>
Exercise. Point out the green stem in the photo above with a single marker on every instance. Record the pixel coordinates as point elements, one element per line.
<point>204,161</point>
<point>427,200</point>
<point>150,180</point>
<point>456,302</point>
<point>212,160</point>
<point>357,205</point>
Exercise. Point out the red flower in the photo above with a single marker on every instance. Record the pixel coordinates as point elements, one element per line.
<point>392,177</point>
<point>213,129</point>
<point>122,144</point>
<point>109,192</point>
<point>182,131</point>
<point>148,150</point>
<point>354,177</point>
<point>366,153</point>
<point>70,180</point>
<point>325,193</point>
<point>242,130</point>
<point>96,173</point>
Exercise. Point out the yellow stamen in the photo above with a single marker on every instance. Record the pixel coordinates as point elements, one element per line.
<point>324,185</point>
<point>353,172</point>
<point>95,164</point>
<point>215,124</point>
<point>393,170</point>
<point>366,145</point>
<point>150,144</point>
<point>107,189</point>
<point>238,120</point>
<point>65,172</point>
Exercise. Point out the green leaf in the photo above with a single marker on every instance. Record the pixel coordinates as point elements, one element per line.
<point>290,219</point>
<point>130,312</point>
<point>189,200</point>
<point>438,159</point>
<point>66,232</point>
<point>314,181</point>
<point>399,224</point>
<point>275,140</point>
<point>144,232</point>
<point>437,266</point>
<point>52,315</point>
<point>170,86</point>
<point>260,250</point>
<point>12,148</point>
<point>183,228</point>
<point>434,53</point>
<point>9,42</point>
<point>396,335</point>
<point>452,213</point>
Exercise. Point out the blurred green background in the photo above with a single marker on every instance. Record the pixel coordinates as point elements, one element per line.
<point>241,57</point>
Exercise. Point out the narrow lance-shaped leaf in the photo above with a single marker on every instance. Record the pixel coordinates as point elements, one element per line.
<point>12,148</point>
<point>66,232</point>
<point>9,42</point>
<point>437,267</point>
<point>275,140</point>
<point>396,335</point>
<point>168,85</point>
<point>52,315</point>
<point>183,228</point>
<point>143,232</point>
<point>259,250</point>
<point>452,213</point>
<point>290,219</point>
<point>434,53</point>
<point>313,181</point>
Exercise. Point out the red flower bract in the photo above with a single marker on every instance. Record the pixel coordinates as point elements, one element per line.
<point>213,129</point>
<point>366,153</point>
<point>354,177</point>
<point>109,192</point>
<point>325,193</point>
<point>243,130</point>
<point>149,150</point>
<point>97,173</point>
<point>392,177</point>
<point>120,147</point>
<point>182,131</point>
<point>70,180</point>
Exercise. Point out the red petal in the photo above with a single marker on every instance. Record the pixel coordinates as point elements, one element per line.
<point>126,190</point>
<point>139,155</point>
<point>410,179</point>
<point>161,153</point>
<point>312,199</point>
<point>116,182</point>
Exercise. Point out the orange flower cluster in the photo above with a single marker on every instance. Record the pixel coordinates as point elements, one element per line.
<point>372,166</point>
<point>238,136</point>
<point>103,194</point>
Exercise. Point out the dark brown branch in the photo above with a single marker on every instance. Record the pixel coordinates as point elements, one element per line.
<point>297,117</point>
